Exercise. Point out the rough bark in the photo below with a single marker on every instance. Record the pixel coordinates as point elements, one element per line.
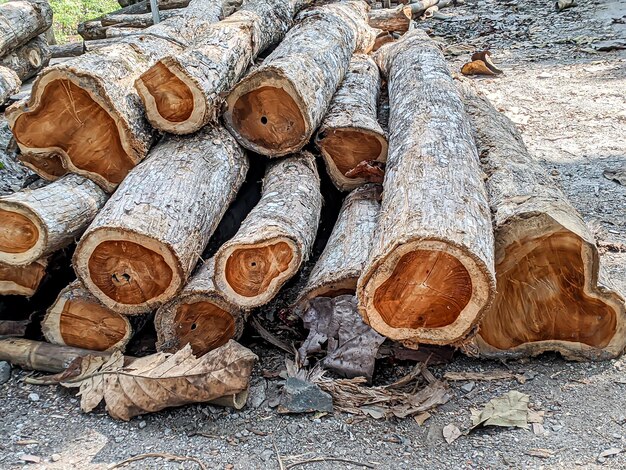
<point>21,21</point>
<point>92,29</point>
<point>49,167</point>
<point>13,175</point>
<point>78,319</point>
<point>338,268</point>
<point>22,280</point>
<point>430,274</point>
<point>276,237</point>
<point>390,19</point>
<point>9,84</point>
<point>28,60</point>
<point>93,116</point>
<point>142,20</point>
<point>350,133</point>
<point>35,223</point>
<point>183,92</point>
<point>550,293</point>
<point>118,32</point>
<point>71,49</point>
<point>200,315</point>
<point>144,243</point>
<point>276,108</point>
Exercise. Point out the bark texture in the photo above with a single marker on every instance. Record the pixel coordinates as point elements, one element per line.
<point>13,175</point>
<point>350,133</point>
<point>550,293</point>
<point>339,267</point>
<point>91,30</point>
<point>276,108</point>
<point>9,84</point>
<point>430,275</point>
<point>144,243</point>
<point>88,104</point>
<point>200,316</point>
<point>71,49</point>
<point>28,60</point>
<point>183,92</point>
<point>390,19</point>
<point>21,21</point>
<point>22,280</point>
<point>142,20</point>
<point>276,237</point>
<point>35,223</point>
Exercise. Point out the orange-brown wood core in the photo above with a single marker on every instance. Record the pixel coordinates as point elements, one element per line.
<point>128,273</point>
<point>541,297</point>
<point>89,325</point>
<point>427,289</point>
<point>348,148</point>
<point>269,117</point>
<point>49,164</point>
<point>249,271</point>
<point>172,97</point>
<point>68,118</point>
<point>204,325</point>
<point>28,276</point>
<point>17,233</point>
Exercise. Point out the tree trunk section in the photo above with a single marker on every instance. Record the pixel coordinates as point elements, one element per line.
<point>350,133</point>
<point>390,19</point>
<point>341,263</point>
<point>276,108</point>
<point>142,20</point>
<point>49,167</point>
<point>78,319</point>
<point>430,274</point>
<point>550,297</point>
<point>139,251</point>
<point>276,237</point>
<point>28,60</point>
<point>22,280</point>
<point>72,49</point>
<point>183,92</point>
<point>91,30</point>
<point>93,116</point>
<point>21,21</point>
<point>35,223</point>
<point>200,315</point>
<point>10,84</point>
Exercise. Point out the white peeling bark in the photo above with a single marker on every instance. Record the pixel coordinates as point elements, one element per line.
<point>28,60</point>
<point>20,21</point>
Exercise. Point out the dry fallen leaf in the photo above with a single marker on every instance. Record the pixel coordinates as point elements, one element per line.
<point>421,418</point>
<point>476,67</point>
<point>510,410</point>
<point>485,56</point>
<point>541,453</point>
<point>451,433</point>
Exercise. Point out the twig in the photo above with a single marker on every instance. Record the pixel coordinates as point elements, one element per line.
<point>270,338</point>
<point>280,461</point>
<point>329,459</point>
<point>176,458</point>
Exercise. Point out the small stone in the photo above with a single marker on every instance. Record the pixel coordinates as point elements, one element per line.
<point>5,372</point>
<point>142,424</point>
<point>33,397</point>
<point>299,396</point>
<point>557,427</point>
<point>266,455</point>
<point>293,429</point>
<point>30,458</point>
<point>468,387</point>
<point>55,457</point>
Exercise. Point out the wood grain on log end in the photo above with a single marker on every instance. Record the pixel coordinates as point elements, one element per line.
<point>49,167</point>
<point>21,280</point>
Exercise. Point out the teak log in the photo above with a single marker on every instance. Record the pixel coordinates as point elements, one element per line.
<point>350,133</point>
<point>28,60</point>
<point>276,237</point>
<point>88,105</point>
<point>142,20</point>
<point>35,223</point>
<point>22,280</point>
<point>550,294</point>
<point>430,275</point>
<point>200,315</point>
<point>21,21</point>
<point>390,19</point>
<point>276,108</point>
<point>78,319</point>
<point>144,243</point>
<point>49,167</point>
<point>10,84</point>
<point>71,49</point>
<point>91,30</point>
<point>338,268</point>
<point>183,92</point>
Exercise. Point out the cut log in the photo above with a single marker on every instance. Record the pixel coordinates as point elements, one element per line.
<point>78,319</point>
<point>71,49</point>
<point>49,167</point>
<point>93,117</point>
<point>276,108</point>
<point>183,92</point>
<point>430,274</point>
<point>390,19</point>
<point>92,29</point>
<point>121,31</point>
<point>339,267</point>
<point>142,20</point>
<point>163,4</point>
<point>550,294</point>
<point>144,243</point>
<point>28,60</point>
<point>9,84</point>
<point>350,133</point>
<point>200,315</point>
<point>21,21</point>
<point>22,280</point>
<point>276,237</point>
<point>35,223</point>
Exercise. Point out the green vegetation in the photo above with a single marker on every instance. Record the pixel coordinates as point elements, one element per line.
<point>68,13</point>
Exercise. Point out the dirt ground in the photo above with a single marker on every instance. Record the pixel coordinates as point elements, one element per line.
<point>569,99</point>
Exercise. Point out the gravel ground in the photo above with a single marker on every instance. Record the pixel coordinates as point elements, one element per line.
<point>568,98</point>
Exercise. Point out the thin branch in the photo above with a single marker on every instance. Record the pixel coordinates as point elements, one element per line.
<point>280,461</point>
<point>329,459</point>
<point>176,458</point>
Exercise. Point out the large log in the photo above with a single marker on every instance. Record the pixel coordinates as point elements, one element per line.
<point>22,280</point>
<point>350,133</point>
<point>276,108</point>
<point>550,294</point>
<point>142,20</point>
<point>48,166</point>
<point>28,60</point>
<point>9,84</point>
<point>35,223</point>
<point>276,237</point>
<point>338,268</point>
<point>390,19</point>
<point>21,21</point>
<point>92,115</point>
<point>183,92</point>
<point>78,319</point>
<point>144,243</point>
<point>71,49</point>
<point>430,275</point>
<point>200,315</point>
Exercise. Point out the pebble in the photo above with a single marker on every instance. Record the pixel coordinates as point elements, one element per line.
<point>33,397</point>
<point>142,424</point>
<point>468,387</point>
<point>55,457</point>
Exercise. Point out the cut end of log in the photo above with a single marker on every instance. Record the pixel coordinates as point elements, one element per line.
<point>21,280</point>
<point>335,289</point>
<point>426,291</point>
<point>49,167</point>
<point>20,235</point>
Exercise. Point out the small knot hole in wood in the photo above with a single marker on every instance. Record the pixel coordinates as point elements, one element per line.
<point>263,120</point>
